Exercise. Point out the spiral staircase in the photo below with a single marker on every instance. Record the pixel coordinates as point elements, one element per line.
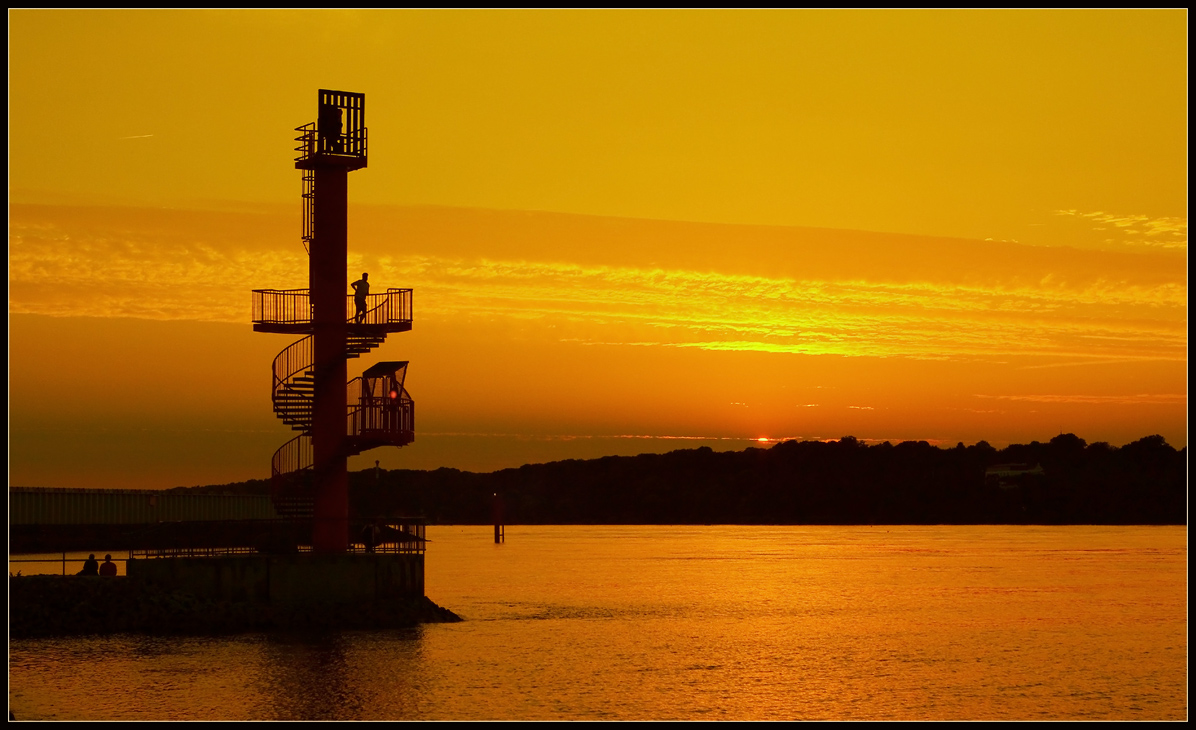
<point>379,410</point>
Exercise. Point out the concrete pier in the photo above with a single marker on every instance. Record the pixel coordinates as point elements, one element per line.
<point>307,578</point>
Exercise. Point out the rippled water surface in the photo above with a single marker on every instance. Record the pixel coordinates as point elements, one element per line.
<point>695,623</point>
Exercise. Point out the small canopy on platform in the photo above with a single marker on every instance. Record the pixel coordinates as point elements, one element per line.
<point>396,369</point>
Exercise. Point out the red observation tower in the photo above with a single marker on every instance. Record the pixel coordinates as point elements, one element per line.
<point>309,474</point>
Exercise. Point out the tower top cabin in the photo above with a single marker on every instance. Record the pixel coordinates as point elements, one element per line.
<point>338,136</point>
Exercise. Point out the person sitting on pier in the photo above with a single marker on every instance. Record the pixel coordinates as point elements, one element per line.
<point>361,290</point>
<point>90,566</point>
<point>108,567</point>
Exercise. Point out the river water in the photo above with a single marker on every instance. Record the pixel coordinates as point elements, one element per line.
<point>694,623</point>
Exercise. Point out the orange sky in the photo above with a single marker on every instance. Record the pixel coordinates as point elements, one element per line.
<point>627,231</point>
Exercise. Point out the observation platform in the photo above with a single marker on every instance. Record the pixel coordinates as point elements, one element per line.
<point>289,311</point>
<point>339,137</point>
<point>338,150</point>
<point>384,414</point>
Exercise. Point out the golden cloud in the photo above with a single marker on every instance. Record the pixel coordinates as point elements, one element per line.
<point>179,265</point>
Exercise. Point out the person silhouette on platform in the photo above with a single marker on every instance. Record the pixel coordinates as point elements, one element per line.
<point>393,407</point>
<point>369,537</point>
<point>329,127</point>
<point>90,566</point>
<point>108,567</point>
<point>361,290</point>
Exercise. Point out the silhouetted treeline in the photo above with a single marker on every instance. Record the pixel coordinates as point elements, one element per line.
<point>807,482</point>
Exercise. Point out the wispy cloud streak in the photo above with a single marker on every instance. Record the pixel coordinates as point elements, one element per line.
<point>1139,399</point>
<point>1139,230</point>
<point>163,270</point>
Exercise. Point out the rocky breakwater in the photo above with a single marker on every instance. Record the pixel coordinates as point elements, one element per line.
<point>52,605</point>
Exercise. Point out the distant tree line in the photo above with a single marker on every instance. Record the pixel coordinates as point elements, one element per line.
<point>806,482</point>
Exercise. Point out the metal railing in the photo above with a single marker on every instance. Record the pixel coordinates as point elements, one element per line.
<point>212,539</point>
<point>366,535</point>
<point>295,455</point>
<point>354,143</point>
<point>293,306</point>
<point>193,552</point>
<point>295,360</point>
<point>387,535</point>
<point>393,307</point>
<point>400,302</point>
<point>64,560</point>
<point>281,306</point>
<point>309,209</point>
<point>42,506</point>
<point>382,416</point>
<point>392,535</point>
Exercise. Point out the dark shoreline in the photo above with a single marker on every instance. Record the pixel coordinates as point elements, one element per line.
<point>1065,481</point>
<point>843,482</point>
<point>53,605</point>
<point>847,482</point>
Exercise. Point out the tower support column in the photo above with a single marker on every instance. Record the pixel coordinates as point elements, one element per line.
<point>328,277</point>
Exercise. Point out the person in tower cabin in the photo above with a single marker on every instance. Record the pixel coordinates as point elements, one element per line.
<point>361,290</point>
<point>329,127</point>
<point>393,406</point>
